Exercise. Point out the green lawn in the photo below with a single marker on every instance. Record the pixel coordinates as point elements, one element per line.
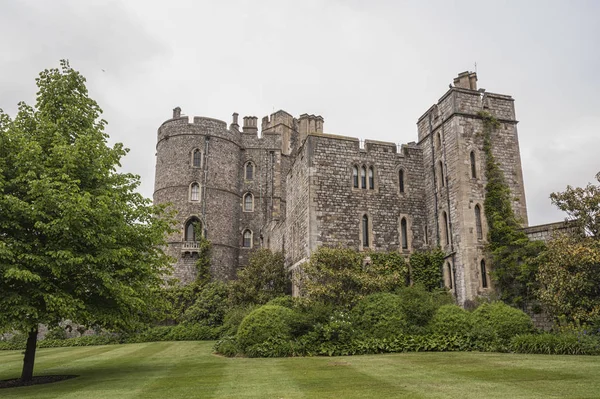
<point>189,370</point>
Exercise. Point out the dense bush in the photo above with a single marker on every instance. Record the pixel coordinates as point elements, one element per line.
<point>227,346</point>
<point>379,316</point>
<point>56,333</point>
<point>418,306</point>
<point>341,277</point>
<point>556,344</point>
<point>263,279</point>
<point>234,317</point>
<point>266,322</point>
<point>451,320</point>
<point>210,305</point>
<point>499,322</point>
<point>181,332</point>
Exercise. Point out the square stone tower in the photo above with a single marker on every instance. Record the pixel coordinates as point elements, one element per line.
<point>451,136</point>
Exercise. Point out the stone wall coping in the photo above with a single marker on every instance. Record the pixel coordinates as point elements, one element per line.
<point>334,136</point>
<point>547,227</point>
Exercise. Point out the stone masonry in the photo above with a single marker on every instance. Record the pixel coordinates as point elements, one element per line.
<point>293,188</point>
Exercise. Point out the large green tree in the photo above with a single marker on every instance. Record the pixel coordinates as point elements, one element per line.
<point>76,240</point>
<point>569,270</point>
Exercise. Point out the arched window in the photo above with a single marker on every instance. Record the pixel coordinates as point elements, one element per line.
<point>441,174</point>
<point>197,158</point>
<point>247,239</point>
<point>371,178</point>
<point>363,177</point>
<point>473,166</point>
<point>365,231</point>
<point>355,176</point>
<point>401,180</point>
<point>478,226</point>
<point>194,192</point>
<point>249,171</point>
<point>446,233</point>
<point>248,202</point>
<point>404,233</point>
<point>449,270</point>
<point>484,282</point>
<point>191,226</point>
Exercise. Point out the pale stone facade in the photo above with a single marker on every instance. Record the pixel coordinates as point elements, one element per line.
<point>307,188</point>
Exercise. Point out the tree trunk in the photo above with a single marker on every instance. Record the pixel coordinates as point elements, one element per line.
<point>29,359</point>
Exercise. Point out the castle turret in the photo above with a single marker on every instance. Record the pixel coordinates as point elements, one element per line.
<point>197,171</point>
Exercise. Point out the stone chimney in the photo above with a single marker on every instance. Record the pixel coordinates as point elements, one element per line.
<point>234,124</point>
<point>250,124</point>
<point>176,112</point>
<point>466,80</point>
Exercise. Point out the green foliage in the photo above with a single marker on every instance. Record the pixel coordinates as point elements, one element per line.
<point>451,320</point>
<point>341,276</point>
<point>556,344</point>
<point>418,306</point>
<point>287,301</point>
<point>227,346</point>
<point>263,279</point>
<point>513,254</point>
<point>78,241</point>
<point>180,332</point>
<point>56,333</point>
<point>582,206</point>
<point>379,316</point>
<point>426,268</point>
<point>210,305</point>
<point>266,322</point>
<point>499,322</point>
<point>204,254</point>
<point>234,317</point>
<point>177,299</point>
<point>569,274</point>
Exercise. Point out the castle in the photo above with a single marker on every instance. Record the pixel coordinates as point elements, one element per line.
<point>294,188</point>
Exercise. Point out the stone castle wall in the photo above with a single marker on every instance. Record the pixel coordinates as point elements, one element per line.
<point>304,195</point>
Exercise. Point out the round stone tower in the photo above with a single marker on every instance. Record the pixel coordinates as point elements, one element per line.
<point>197,167</point>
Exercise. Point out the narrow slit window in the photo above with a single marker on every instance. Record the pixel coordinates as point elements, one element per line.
<point>195,192</point>
<point>249,171</point>
<point>355,176</point>
<point>401,180</point>
<point>247,239</point>
<point>478,226</point>
<point>449,268</point>
<point>371,178</point>
<point>404,233</point>
<point>473,165</point>
<point>363,177</point>
<point>248,203</point>
<point>441,173</point>
<point>197,158</point>
<point>446,232</point>
<point>484,282</point>
<point>365,231</point>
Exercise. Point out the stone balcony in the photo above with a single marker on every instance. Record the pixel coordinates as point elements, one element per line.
<point>190,246</point>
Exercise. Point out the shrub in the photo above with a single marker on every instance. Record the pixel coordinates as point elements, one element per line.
<point>227,346</point>
<point>379,316</point>
<point>498,321</point>
<point>210,305</point>
<point>56,333</point>
<point>266,322</point>
<point>451,320</point>
<point>556,344</point>
<point>287,301</point>
<point>418,306</point>
<point>234,317</point>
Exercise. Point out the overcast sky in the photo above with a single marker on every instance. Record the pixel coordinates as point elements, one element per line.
<point>370,68</point>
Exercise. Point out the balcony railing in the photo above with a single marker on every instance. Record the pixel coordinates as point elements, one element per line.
<point>190,246</point>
